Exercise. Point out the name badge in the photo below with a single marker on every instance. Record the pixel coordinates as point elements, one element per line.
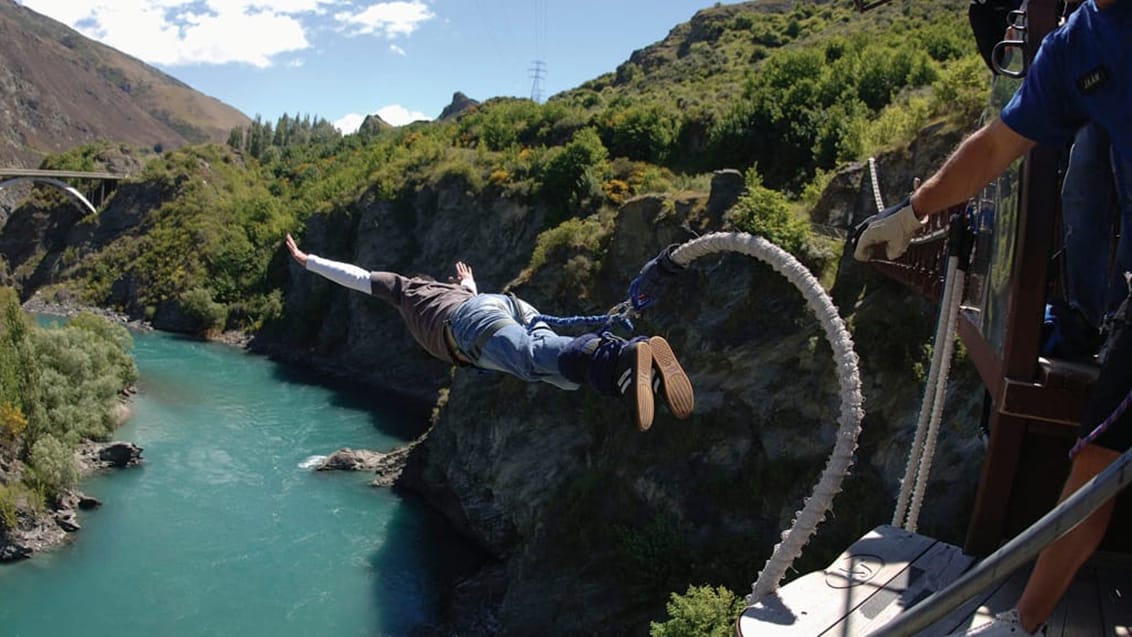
<point>1092,80</point>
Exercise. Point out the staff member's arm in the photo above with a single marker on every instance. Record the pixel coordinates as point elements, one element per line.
<point>979,159</point>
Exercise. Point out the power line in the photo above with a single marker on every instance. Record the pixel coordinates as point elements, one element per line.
<point>538,66</point>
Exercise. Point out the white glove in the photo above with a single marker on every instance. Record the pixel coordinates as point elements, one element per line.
<point>894,231</point>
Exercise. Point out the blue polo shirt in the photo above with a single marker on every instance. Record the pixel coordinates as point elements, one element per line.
<point>1083,71</point>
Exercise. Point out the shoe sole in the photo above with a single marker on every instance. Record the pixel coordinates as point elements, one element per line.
<point>643,406</point>
<point>677,386</point>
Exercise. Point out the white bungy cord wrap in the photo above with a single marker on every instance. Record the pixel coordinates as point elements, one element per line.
<point>840,459</point>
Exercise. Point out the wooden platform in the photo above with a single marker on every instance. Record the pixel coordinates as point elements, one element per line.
<point>889,570</point>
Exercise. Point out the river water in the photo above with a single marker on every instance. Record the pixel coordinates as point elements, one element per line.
<point>224,530</point>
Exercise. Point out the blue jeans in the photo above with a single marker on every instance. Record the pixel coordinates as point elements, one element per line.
<point>529,352</point>
<point>1097,187</point>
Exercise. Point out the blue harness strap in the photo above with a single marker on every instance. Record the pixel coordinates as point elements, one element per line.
<point>643,292</point>
<point>618,316</point>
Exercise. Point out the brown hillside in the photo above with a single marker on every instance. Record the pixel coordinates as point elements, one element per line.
<point>59,89</point>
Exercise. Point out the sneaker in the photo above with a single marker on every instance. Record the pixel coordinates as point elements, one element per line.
<point>669,379</point>
<point>632,378</point>
<point>1006,624</point>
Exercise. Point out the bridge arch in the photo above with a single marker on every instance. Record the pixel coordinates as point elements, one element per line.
<point>69,190</point>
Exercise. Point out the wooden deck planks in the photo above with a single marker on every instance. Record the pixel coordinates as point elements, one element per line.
<point>1114,587</point>
<point>931,571</point>
<point>889,570</point>
<point>983,607</point>
<point>1078,612</point>
<point>872,574</point>
<point>977,610</point>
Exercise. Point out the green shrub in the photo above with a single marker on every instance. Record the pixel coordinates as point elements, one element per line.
<point>945,41</point>
<point>644,133</point>
<point>81,376</point>
<point>114,340</point>
<point>765,212</point>
<point>20,373</point>
<point>813,190</point>
<point>962,91</point>
<point>702,611</point>
<point>209,315</point>
<point>13,497</point>
<point>256,311</point>
<point>897,123</point>
<point>52,466</point>
<point>583,234</point>
<point>8,511</point>
<point>568,177</point>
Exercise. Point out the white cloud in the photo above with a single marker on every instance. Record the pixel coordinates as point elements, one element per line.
<point>394,114</point>
<point>387,19</point>
<point>64,11</point>
<point>399,115</point>
<point>396,49</point>
<point>182,32</point>
<point>350,123</point>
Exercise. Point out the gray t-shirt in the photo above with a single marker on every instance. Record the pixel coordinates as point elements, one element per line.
<point>425,304</point>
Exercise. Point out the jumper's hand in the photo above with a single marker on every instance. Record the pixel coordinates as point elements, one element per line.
<point>298,255</point>
<point>464,277</point>
<point>655,277</point>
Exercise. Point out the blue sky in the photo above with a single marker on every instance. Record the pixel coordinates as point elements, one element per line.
<point>342,60</point>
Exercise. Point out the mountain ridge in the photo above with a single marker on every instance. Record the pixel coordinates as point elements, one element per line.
<point>60,89</point>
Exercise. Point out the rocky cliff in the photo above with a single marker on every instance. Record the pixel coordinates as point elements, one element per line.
<point>592,523</point>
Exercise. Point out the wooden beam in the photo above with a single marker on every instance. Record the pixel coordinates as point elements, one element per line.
<point>982,354</point>
<point>988,518</point>
<point>1042,402</point>
<point>1026,307</point>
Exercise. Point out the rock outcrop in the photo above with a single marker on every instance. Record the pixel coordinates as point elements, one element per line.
<point>387,466</point>
<point>373,123</point>
<point>459,105</point>
<point>92,456</point>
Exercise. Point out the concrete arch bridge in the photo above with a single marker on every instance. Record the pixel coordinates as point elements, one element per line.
<point>103,181</point>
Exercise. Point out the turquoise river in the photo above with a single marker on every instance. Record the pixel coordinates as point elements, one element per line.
<point>224,530</point>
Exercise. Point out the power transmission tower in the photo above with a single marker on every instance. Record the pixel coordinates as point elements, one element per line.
<point>537,71</point>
